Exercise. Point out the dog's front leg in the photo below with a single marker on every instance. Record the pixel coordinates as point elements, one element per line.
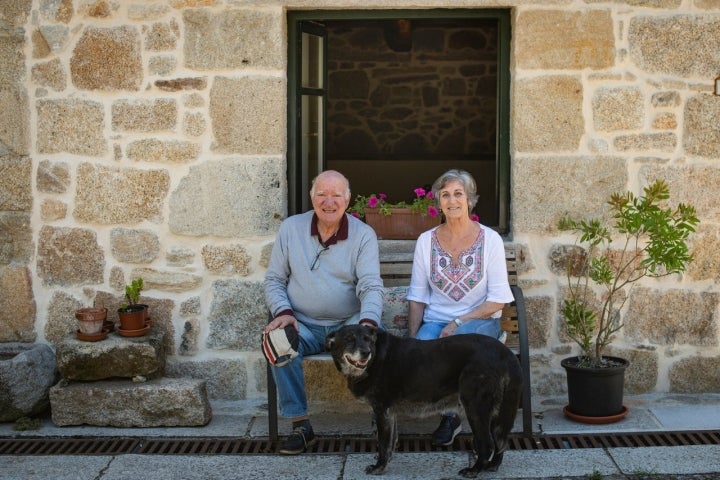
<point>387,437</point>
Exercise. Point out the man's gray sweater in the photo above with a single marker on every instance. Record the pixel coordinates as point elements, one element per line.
<point>345,281</point>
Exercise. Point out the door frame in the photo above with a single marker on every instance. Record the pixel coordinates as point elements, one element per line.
<point>298,184</point>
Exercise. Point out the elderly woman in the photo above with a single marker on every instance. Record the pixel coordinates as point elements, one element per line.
<point>459,279</point>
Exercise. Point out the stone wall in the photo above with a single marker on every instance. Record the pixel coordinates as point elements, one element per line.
<point>148,138</point>
<point>386,104</point>
<point>609,105</point>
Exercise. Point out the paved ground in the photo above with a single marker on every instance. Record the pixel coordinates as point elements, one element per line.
<point>653,413</point>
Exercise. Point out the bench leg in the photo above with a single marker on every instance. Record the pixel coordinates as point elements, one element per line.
<point>272,405</point>
<point>524,359</point>
<point>526,403</point>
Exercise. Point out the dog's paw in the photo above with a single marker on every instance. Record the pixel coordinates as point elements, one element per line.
<point>376,469</point>
<point>469,472</point>
<point>494,463</point>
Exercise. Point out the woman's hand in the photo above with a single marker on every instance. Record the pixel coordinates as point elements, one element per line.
<point>448,330</point>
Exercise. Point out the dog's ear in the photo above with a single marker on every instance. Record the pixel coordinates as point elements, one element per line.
<point>329,341</point>
<point>374,334</point>
<point>371,330</point>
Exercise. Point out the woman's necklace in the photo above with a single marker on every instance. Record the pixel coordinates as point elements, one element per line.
<point>455,245</point>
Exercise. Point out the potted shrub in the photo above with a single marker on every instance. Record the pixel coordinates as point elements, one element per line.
<point>397,221</point>
<point>132,315</point>
<point>643,238</point>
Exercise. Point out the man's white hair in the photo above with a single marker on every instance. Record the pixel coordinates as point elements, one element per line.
<point>334,173</point>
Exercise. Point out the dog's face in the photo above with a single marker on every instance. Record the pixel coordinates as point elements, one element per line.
<point>352,348</point>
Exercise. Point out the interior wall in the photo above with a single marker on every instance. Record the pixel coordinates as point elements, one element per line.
<point>408,100</point>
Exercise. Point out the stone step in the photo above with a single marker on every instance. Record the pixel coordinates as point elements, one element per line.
<point>166,402</point>
<point>115,356</point>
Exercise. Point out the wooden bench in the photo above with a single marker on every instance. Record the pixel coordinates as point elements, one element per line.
<point>395,269</point>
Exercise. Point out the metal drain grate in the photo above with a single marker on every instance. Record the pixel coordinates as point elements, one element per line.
<point>336,445</point>
<point>614,440</point>
<point>67,446</point>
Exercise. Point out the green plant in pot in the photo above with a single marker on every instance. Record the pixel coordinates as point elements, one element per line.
<point>643,238</point>
<point>132,315</point>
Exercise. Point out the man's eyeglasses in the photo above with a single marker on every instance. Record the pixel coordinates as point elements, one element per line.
<point>316,262</point>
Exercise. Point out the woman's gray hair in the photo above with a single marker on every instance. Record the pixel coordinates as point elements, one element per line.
<point>468,183</point>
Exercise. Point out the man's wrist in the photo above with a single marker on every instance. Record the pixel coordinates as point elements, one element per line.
<point>287,311</point>
<point>457,322</point>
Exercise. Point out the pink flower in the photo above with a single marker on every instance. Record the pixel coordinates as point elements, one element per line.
<point>475,218</point>
<point>422,204</point>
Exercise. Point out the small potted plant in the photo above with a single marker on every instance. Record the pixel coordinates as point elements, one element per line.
<point>645,238</point>
<point>132,315</point>
<point>399,220</point>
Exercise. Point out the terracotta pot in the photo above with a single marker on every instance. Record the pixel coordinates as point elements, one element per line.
<point>147,309</point>
<point>89,324</point>
<point>132,317</point>
<point>93,312</point>
<point>91,320</point>
<point>401,224</point>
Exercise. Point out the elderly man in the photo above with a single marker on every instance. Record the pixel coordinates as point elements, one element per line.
<point>324,273</point>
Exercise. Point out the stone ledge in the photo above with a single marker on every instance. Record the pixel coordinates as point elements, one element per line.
<point>164,402</point>
<point>116,356</point>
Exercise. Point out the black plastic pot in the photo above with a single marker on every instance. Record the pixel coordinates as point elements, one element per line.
<point>595,392</point>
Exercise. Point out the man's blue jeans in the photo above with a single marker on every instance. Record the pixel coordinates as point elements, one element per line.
<point>290,379</point>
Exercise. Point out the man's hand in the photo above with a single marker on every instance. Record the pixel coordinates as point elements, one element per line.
<point>281,322</point>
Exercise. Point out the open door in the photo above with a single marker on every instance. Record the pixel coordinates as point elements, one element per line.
<point>394,98</point>
<point>308,94</point>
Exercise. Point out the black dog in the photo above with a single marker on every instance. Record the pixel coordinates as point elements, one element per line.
<point>390,372</point>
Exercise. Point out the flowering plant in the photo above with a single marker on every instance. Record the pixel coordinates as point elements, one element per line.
<point>423,203</point>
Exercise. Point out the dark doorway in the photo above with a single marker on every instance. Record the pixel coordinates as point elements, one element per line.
<point>410,97</point>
